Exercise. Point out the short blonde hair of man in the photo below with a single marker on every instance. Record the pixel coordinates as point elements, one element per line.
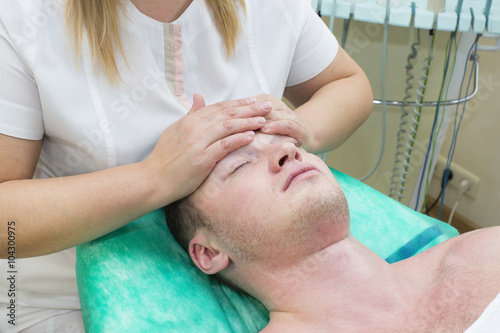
<point>102,21</point>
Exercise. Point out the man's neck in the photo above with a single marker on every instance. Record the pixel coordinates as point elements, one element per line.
<point>346,287</point>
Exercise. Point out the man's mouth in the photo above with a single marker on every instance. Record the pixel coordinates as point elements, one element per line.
<point>299,172</point>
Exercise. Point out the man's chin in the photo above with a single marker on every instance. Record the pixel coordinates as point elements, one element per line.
<point>322,215</point>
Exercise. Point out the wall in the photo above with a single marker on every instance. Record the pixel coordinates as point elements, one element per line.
<point>477,145</point>
<point>477,148</point>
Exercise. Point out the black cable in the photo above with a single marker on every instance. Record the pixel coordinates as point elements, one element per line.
<point>450,177</point>
<point>345,30</point>
<point>428,209</point>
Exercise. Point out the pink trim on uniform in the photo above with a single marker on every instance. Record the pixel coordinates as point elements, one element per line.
<point>179,66</point>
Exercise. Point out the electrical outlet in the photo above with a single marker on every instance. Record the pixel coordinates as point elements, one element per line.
<point>459,174</point>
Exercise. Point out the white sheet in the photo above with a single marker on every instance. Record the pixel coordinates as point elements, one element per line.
<point>489,321</point>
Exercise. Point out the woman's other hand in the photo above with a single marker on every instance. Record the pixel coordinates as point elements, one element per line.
<point>283,120</point>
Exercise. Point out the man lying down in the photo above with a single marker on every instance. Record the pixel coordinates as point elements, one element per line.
<point>272,221</point>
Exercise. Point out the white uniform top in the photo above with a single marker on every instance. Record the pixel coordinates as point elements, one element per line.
<point>88,124</point>
<point>489,321</point>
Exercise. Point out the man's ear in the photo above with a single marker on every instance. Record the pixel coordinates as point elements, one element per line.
<point>206,255</point>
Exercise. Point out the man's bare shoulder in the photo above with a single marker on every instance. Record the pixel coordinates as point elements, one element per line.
<point>481,245</point>
<point>462,275</point>
<point>474,245</point>
<point>475,251</point>
<point>485,232</point>
<point>471,272</point>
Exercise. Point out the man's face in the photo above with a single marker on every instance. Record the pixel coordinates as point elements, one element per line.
<point>273,199</point>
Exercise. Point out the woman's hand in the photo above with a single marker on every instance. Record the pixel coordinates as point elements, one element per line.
<point>188,150</point>
<point>283,120</point>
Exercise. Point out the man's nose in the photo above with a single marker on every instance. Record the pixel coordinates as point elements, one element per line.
<point>284,153</point>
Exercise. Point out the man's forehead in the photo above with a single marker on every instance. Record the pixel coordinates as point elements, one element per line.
<point>260,140</point>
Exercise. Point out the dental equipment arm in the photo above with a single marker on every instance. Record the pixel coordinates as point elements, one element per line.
<point>332,105</point>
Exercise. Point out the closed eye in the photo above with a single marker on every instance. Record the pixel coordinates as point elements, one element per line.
<point>239,167</point>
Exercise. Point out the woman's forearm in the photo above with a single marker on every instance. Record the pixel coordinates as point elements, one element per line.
<point>58,213</point>
<point>335,111</point>
<point>332,105</point>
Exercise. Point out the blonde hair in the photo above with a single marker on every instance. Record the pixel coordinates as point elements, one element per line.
<point>102,21</point>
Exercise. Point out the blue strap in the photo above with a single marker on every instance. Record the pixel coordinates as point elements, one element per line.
<point>415,244</point>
